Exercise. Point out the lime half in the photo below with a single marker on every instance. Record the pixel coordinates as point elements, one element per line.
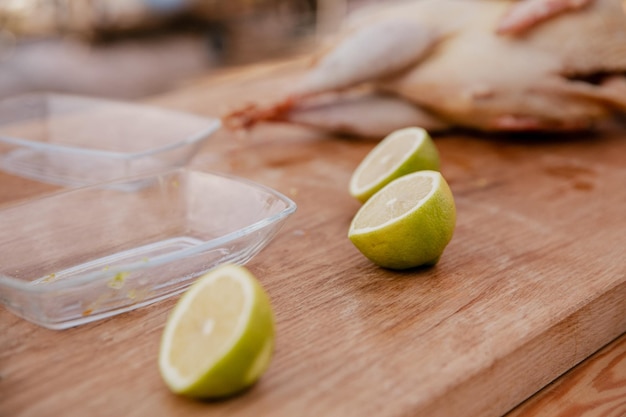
<point>406,224</point>
<point>219,337</point>
<point>400,153</point>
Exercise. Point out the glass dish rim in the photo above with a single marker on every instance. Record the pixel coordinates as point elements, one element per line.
<point>27,287</point>
<point>214,124</point>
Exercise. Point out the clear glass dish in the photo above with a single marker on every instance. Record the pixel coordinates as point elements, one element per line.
<point>93,252</point>
<point>75,141</point>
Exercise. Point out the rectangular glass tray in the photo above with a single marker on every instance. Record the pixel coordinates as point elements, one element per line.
<point>75,140</point>
<point>93,252</point>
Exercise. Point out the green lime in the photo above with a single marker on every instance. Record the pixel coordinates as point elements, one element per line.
<point>406,224</point>
<point>400,153</point>
<point>219,337</point>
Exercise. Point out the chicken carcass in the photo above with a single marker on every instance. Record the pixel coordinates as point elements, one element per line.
<point>442,63</point>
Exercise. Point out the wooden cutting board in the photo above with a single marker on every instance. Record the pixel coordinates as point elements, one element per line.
<point>533,282</point>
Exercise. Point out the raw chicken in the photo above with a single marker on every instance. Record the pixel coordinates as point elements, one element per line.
<point>443,63</point>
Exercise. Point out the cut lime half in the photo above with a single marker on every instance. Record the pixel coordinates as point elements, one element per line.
<point>406,224</point>
<point>402,152</point>
<point>219,337</point>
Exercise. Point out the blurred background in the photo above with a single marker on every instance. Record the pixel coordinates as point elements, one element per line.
<point>133,48</point>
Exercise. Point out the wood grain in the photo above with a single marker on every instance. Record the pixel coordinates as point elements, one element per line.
<point>532,283</point>
<point>595,388</point>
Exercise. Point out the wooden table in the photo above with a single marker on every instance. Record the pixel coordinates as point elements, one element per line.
<point>533,283</point>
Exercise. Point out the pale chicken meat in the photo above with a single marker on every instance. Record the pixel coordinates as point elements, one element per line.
<point>445,63</point>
